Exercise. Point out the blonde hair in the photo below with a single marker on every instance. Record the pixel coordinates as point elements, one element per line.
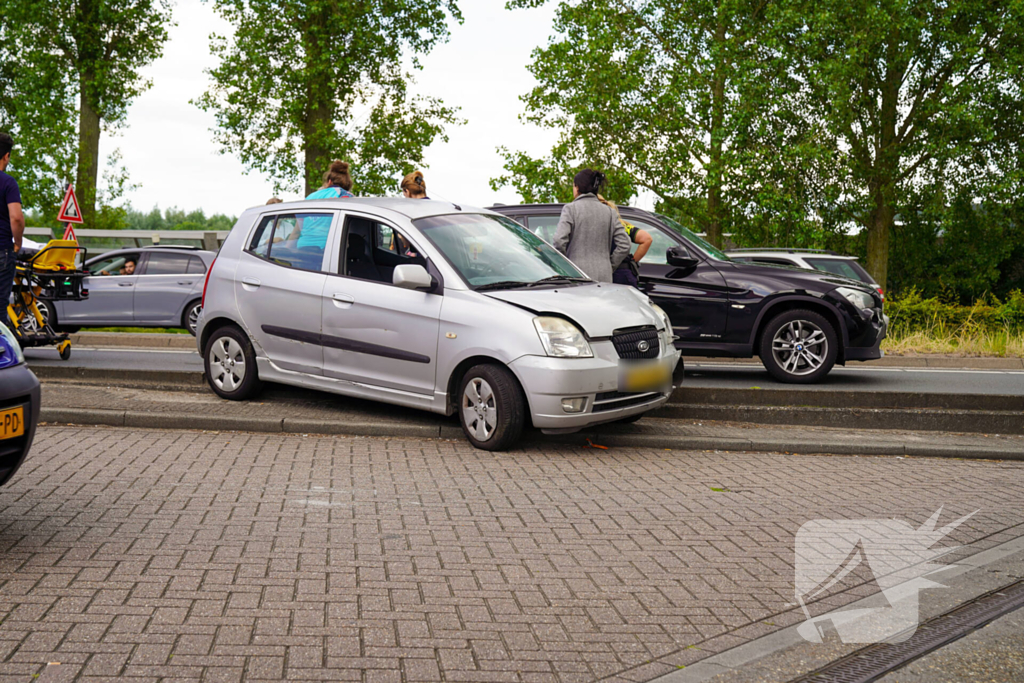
<point>415,184</point>
<point>337,174</point>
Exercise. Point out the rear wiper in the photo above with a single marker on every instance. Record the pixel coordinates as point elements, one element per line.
<point>504,284</point>
<point>557,279</point>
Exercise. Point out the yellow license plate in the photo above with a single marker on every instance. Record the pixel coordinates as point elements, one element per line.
<point>12,423</point>
<point>644,377</point>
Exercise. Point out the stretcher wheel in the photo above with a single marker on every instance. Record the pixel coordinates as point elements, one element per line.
<point>65,350</point>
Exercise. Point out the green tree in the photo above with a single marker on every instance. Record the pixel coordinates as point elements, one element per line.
<point>682,97</point>
<point>302,83</point>
<point>914,98</point>
<point>72,65</point>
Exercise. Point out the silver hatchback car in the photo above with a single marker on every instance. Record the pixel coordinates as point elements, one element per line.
<point>434,306</point>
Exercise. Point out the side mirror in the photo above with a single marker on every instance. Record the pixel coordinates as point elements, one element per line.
<point>412,276</point>
<point>680,258</point>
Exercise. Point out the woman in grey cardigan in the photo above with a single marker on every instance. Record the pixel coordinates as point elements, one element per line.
<point>589,233</point>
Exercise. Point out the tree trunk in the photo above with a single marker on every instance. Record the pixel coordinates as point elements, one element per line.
<point>714,168</point>
<point>319,121</point>
<point>88,153</point>
<point>882,186</point>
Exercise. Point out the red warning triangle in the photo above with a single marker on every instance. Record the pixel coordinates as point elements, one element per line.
<point>69,211</point>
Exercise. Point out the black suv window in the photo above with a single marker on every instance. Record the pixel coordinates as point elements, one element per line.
<point>160,263</point>
<point>543,226</point>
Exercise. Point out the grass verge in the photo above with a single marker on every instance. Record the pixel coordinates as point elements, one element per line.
<point>962,342</point>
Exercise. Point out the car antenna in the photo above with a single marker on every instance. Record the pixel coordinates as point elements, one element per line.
<point>457,207</point>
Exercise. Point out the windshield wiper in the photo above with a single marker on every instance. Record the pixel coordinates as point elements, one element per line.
<point>504,284</point>
<point>557,279</point>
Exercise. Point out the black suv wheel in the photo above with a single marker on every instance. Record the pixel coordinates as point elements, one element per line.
<point>799,346</point>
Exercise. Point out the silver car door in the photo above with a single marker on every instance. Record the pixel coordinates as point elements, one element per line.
<point>374,332</point>
<point>163,286</point>
<point>279,284</point>
<point>110,295</point>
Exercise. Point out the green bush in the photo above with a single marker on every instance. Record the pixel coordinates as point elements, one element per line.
<point>913,313</point>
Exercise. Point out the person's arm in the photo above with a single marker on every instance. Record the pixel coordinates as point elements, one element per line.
<point>563,233</point>
<point>620,243</point>
<point>643,242</point>
<point>17,223</point>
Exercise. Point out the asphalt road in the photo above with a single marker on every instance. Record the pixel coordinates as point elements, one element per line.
<point>855,377</point>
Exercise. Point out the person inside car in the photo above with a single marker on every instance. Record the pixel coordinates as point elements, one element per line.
<point>127,269</point>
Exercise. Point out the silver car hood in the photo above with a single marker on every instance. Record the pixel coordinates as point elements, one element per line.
<point>598,308</point>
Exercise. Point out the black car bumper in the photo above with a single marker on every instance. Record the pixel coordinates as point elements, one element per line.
<point>18,387</point>
<point>867,345</point>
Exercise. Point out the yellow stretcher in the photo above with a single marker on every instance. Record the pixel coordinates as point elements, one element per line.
<point>50,273</point>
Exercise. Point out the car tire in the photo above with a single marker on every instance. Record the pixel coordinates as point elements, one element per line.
<point>492,408</point>
<point>799,346</point>
<point>190,316</point>
<point>230,364</point>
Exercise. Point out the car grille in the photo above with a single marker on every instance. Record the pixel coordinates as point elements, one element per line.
<point>626,344</point>
<point>613,400</point>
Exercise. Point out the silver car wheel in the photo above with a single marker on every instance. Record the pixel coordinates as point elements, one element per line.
<point>479,411</point>
<point>193,317</point>
<point>800,347</point>
<point>227,364</point>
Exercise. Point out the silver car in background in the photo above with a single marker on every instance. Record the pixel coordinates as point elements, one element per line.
<point>164,288</point>
<point>434,306</point>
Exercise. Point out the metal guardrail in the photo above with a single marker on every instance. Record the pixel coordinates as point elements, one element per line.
<point>100,240</point>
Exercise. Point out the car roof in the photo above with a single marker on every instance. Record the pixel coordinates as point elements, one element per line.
<point>410,208</point>
<point>167,248</point>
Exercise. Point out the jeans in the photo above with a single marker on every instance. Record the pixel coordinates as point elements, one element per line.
<point>624,276</point>
<point>7,265</point>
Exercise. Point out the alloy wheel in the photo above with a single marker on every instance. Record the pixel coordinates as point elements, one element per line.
<point>479,410</point>
<point>227,364</point>
<point>800,347</point>
<point>193,317</point>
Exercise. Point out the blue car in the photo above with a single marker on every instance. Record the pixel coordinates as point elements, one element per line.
<point>19,405</point>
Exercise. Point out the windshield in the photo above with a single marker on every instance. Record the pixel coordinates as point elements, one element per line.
<point>706,247</point>
<point>494,250</point>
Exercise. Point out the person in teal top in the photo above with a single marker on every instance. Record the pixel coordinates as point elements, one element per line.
<point>312,232</point>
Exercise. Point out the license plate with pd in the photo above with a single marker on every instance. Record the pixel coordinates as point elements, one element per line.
<point>12,423</point>
<point>643,376</point>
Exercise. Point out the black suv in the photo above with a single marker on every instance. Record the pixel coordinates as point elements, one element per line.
<point>799,322</point>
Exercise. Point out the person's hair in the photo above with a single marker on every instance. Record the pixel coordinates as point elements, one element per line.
<point>415,183</point>
<point>6,144</point>
<point>589,180</point>
<point>274,200</point>
<point>337,174</point>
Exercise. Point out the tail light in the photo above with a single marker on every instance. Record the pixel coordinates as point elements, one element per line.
<point>206,282</point>
<point>881,293</point>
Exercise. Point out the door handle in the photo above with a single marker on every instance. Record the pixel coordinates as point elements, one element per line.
<point>124,284</point>
<point>251,282</point>
<point>185,282</point>
<point>343,300</point>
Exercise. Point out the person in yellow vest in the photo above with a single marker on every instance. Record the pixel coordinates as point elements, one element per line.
<point>628,272</point>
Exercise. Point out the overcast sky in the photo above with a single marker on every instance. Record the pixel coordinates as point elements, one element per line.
<point>168,149</point>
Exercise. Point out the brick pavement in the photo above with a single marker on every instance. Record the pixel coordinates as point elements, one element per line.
<point>202,556</point>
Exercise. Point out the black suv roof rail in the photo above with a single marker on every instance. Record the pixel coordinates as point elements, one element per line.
<point>783,250</point>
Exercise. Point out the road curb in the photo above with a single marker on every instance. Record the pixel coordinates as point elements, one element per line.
<point>188,421</point>
<point>145,379</point>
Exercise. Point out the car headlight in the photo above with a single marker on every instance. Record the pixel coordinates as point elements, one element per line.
<point>858,298</point>
<point>561,338</point>
<point>664,318</point>
<point>10,351</point>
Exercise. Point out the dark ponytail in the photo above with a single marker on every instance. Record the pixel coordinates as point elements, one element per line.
<point>589,180</point>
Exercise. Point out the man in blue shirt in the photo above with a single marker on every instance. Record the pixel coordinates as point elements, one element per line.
<point>12,224</point>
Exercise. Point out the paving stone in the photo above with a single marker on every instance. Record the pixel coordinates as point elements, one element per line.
<point>147,555</point>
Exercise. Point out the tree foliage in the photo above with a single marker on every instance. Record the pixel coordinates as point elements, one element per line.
<point>919,102</point>
<point>300,84</point>
<point>678,96</point>
<point>70,68</point>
